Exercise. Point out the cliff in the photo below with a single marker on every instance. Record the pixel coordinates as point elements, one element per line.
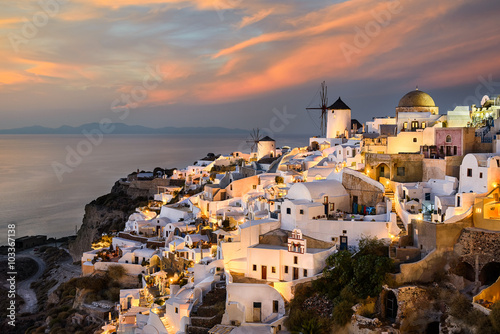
<point>105,214</point>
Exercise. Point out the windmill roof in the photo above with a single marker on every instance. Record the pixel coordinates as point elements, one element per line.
<point>267,138</point>
<point>339,104</point>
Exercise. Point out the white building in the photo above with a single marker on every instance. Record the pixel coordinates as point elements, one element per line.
<point>286,263</point>
<point>479,172</point>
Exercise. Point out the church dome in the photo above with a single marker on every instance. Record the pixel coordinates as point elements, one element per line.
<point>416,98</point>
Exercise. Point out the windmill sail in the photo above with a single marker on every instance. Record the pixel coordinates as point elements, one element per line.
<point>323,106</point>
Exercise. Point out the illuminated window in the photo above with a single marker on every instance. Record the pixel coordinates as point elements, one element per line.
<point>405,125</point>
<point>273,270</point>
<point>423,125</point>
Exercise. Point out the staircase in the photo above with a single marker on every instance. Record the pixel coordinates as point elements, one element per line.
<point>390,195</point>
<point>167,326</point>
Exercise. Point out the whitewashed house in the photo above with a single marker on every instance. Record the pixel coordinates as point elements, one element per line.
<point>479,173</point>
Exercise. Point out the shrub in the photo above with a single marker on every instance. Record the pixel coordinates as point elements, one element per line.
<point>116,271</point>
<point>342,312</point>
<point>495,316</point>
<point>460,306</point>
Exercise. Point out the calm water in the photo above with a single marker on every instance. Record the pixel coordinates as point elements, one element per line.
<point>32,196</point>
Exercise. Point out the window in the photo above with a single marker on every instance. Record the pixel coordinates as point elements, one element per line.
<point>286,269</point>
<point>401,171</point>
<point>279,207</point>
<point>481,175</point>
<point>275,306</point>
<point>455,150</point>
<point>301,211</point>
<point>448,139</point>
<point>295,260</point>
<point>414,140</point>
<point>427,196</point>
<point>288,211</point>
<point>325,199</point>
<point>254,267</point>
<point>414,125</point>
<point>273,270</point>
<point>405,125</point>
<point>305,272</point>
<point>469,172</point>
<point>176,310</point>
<point>423,125</point>
<point>332,207</point>
<point>254,186</point>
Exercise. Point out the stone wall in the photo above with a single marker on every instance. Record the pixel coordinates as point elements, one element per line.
<point>478,247</point>
<point>412,163</point>
<point>368,194</point>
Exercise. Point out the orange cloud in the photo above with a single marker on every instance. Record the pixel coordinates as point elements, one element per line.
<point>259,16</point>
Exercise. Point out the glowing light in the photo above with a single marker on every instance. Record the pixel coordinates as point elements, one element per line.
<point>495,184</point>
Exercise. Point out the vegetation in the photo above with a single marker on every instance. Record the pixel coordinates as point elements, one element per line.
<point>348,279</point>
<point>495,316</point>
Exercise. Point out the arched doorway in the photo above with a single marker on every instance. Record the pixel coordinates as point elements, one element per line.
<point>432,328</point>
<point>465,270</point>
<point>382,171</point>
<point>391,306</point>
<point>489,274</point>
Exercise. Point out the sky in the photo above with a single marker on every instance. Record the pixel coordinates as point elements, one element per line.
<point>238,63</point>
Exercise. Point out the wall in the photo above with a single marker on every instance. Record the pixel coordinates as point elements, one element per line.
<point>241,187</point>
<point>357,184</point>
<point>246,294</point>
<point>478,247</point>
<point>325,230</point>
<point>132,269</point>
<point>425,269</point>
<point>413,164</point>
<point>429,236</point>
<point>457,139</point>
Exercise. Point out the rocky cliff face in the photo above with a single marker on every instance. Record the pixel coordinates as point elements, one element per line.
<point>103,215</point>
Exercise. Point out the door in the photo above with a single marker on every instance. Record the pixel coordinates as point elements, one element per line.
<point>295,273</point>
<point>257,312</point>
<point>264,272</point>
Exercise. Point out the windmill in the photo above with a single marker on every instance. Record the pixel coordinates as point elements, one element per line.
<point>323,106</point>
<point>255,138</point>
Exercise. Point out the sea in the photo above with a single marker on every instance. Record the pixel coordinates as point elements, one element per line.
<point>46,180</point>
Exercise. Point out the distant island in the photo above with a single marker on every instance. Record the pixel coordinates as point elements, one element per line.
<point>119,128</point>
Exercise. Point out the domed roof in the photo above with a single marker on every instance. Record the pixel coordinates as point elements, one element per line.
<point>416,98</point>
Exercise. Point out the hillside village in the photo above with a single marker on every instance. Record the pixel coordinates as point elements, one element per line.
<point>224,245</point>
